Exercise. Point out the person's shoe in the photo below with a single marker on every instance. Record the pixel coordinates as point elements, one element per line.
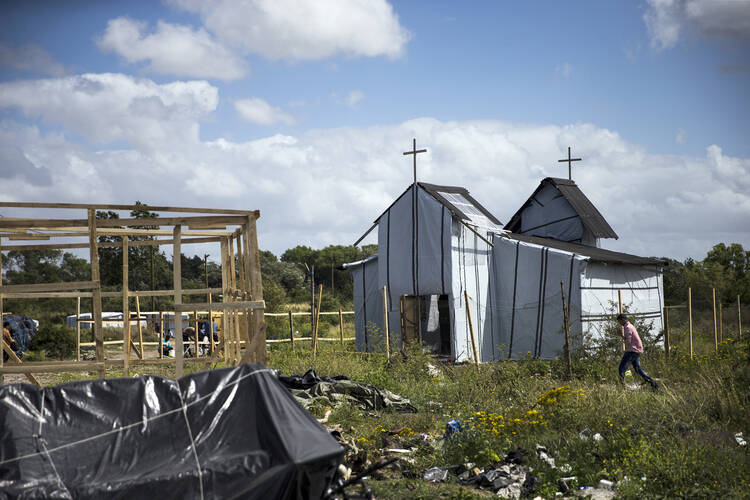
<point>654,385</point>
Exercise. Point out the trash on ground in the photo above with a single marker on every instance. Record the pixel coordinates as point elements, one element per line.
<point>740,440</point>
<point>452,427</point>
<point>435,475</point>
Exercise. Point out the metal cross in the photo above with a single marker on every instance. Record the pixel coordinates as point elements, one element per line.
<point>414,151</point>
<point>569,160</point>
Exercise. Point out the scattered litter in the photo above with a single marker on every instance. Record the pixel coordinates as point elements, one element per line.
<point>452,427</point>
<point>740,440</point>
<point>566,483</point>
<point>606,485</point>
<point>435,475</point>
<point>584,434</point>
<point>399,450</point>
<point>541,452</point>
<point>597,437</point>
<point>433,371</point>
<point>325,417</point>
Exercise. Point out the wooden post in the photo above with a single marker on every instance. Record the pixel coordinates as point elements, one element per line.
<point>566,326</point>
<point>140,326</point>
<point>97,292</point>
<point>317,320</point>
<point>12,355</point>
<point>177,286</point>
<point>619,311</point>
<point>126,309</point>
<point>197,344</point>
<point>666,333</point>
<point>211,323</point>
<point>716,332</point>
<point>385,319</point>
<point>161,336</point>
<point>471,329</point>
<point>341,326</point>
<point>739,318</point>
<point>78,328</point>
<point>291,330</point>
<point>690,319</point>
<point>257,350</point>
<point>243,323</point>
<point>224,298</point>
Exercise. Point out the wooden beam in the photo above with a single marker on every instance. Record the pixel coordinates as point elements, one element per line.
<point>258,332</point>
<point>97,297</point>
<point>52,295</point>
<point>109,244</point>
<point>177,286</point>
<point>164,293</point>
<point>50,287</point>
<point>47,367</point>
<point>28,237</point>
<point>125,308</point>
<point>365,235</point>
<point>150,208</point>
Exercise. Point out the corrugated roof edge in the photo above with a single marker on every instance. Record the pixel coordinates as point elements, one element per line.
<point>593,253</point>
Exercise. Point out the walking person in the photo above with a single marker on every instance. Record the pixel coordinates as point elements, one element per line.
<point>633,351</point>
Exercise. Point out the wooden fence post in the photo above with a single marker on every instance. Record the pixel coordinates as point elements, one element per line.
<point>471,329</point>
<point>317,321</point>
<point>341,326</point>
<point>78,329</point>
<point>385,319</point>
<point>161,335</point>
<point>690,319</point>
<point>177,285</point>
<point>96,299</point>
<point>126,308</point>
<point>716,333</point>
<point>566,325</point>
<point>291,329</point>
<point>140,326</point>
<point>666,333</point>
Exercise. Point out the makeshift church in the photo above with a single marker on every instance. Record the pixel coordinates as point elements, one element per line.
<point>449,276</point>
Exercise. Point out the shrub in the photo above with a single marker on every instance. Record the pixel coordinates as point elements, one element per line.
<point>56,340</point>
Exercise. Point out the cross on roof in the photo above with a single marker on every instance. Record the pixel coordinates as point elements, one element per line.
<point>569,160</point>
<point>414,151</point>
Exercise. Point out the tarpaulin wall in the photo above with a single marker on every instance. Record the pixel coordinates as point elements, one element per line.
<point>527,299</point>
<point>414,252</point>
<point>642,295</point>
<point>368,305</point>
<point>226,433</point>
<point>551,216</point>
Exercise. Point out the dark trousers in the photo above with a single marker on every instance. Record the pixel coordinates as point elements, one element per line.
<point>635,359</point>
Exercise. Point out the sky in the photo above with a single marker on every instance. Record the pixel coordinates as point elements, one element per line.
<point>303,110</point>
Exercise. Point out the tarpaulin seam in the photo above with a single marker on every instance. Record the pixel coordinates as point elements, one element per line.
<point>442,250</point>
<point>192,442</point>
<point>539,299</point>
<point>388,255</point>
<point>490,306</point>
<point>479,298</point>
<point>140,422</point>
<point>364,307</point>
<point>544,302</point>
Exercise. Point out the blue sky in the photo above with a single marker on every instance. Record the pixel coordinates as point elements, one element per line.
<point>284,105</point>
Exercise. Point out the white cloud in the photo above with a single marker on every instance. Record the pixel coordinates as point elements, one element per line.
<point>300,30</point>
<point>680,137</point>
<point>256,110</point>
<point>172,49</point>
<point>30,58</point>
<point>353,97</point>
<point>327,186</point>
<point>109,107</point>
<point>564,70</point>
<point>665,19</point>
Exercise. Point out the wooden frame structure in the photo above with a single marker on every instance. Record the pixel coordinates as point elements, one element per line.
<point>242,303</point>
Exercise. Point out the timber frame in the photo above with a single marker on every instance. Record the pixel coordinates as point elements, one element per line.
<point>242,306</point>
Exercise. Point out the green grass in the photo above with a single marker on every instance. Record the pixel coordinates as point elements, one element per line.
<point>680,438</point>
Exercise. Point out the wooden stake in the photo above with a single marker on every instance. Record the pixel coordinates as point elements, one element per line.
<point>97,292</point>
<point>716,332</point>
<point>317,320</point>
<point>690,319</point>
<point>471,329</point>
<point>341,326</point>
<point>566,326</point>
<point>739,318</point>
<point>195,314</point>
<point>177,286</point>
<point>224,297</point>
<point>161,336</point>
<point>78,328</point>
<point>291,329</point>
<point>385,319</point>
<point>140,326</point>
<point>666,333</point>
<point>255,277</point>
<point>126,309</point>
<point>12,355</point>
<point>619,311</point>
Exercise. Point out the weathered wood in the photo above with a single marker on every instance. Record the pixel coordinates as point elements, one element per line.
<point>150,208</point>
<point>341,326</point>
<point>53,295</point>
<point>258,332</point>
<point>317,321</point>
<point>385,322</point>
<point>12,355</point>
<point>28,237</point>
<point>365,235</point>
<point>224,297</point>
<point>50,287</point>
<point>161,334</point>
<point>471,329</point>
<point>126,307</point>
<point>78,329</point>
<point>164,293</point>
<point>177,286</point>
<point>140,325</point>
<point>291,329</point>
<point>50,367</point>
<point>97,296</point>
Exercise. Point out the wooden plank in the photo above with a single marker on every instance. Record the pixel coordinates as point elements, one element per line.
<point>236,355</point>
<point>97,297</point>
<point>258,331</point>
<point>164,293</point>
<point>47,367</point>
<point>140,324</point>
<point>170,221</point>
<point>161,335</point>
<point>317,321</point>
<point>177,286</point>
<point>126,307</point>
<point>23,237</point>
<point>78,329</point>
<point>224,296</point>
<point>12,355</point>
<point>150,208</point>
<point>341,326</point>
<point>50,295</point>
<point>109,244</point>
<point>471,329</point>
<point>50,287</point>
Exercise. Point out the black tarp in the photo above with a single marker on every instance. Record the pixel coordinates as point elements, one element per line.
<point>226,433</point>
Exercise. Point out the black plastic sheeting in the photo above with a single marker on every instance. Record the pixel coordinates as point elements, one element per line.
<point>226,433</point>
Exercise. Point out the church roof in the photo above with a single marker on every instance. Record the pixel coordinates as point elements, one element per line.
<point>590,217</point>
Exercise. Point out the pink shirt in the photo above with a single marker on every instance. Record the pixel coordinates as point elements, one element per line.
<point>632,340</point>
